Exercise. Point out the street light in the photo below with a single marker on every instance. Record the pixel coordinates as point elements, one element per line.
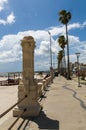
<point>51,68</point>
<point>53,56</point>
<point>78,54</point>
<point>50,52</point>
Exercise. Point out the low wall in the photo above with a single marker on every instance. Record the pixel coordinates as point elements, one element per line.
<point>42,86</point>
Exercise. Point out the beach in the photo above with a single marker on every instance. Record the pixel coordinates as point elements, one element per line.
<point>8,97</point>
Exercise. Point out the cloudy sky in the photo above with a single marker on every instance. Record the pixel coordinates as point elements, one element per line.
<point>19,18</point>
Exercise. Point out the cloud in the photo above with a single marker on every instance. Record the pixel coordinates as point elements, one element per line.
<point>10,19</point>
<point>60,30</point>
<point>11,51</point>
<point>73,26</point>
<point>57,30</point>
<point>77,46</point>
<point>10,48</point>
<point>76,25</point>
<point>43,48</point>
<point>2,4</point>
<point>73,39</point>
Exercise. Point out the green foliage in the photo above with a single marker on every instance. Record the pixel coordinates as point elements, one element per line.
<point>83,75</point>
<point>61,41</point>
<point>64,16</point>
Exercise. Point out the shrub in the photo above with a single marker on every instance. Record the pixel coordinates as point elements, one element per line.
<point>83,74</point>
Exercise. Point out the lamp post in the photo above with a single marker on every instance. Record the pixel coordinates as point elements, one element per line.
<point>54,60</point>
<point>50,51</point>
<point>51,68</point>
<point>78,54</point>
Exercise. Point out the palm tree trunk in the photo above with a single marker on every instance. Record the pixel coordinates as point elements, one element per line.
<point>64,60</point>
<point>58,67</point>
<point>68,62</point>
<point>62,66</point>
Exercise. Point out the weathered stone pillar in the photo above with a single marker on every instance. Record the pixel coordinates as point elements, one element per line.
<point>28,45</point>
<point>28,86</point>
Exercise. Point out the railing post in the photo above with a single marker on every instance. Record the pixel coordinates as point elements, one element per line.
<point>28,86</point>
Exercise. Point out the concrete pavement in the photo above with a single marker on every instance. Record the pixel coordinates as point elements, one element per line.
<point>64,108</point>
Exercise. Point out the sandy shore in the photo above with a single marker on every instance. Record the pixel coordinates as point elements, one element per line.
<point>3,78</point>
<point>8,97</point>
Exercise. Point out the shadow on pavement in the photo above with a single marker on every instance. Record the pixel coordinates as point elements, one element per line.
<point>82,104</point>
<point>43,122</point>
<point>46,123</point>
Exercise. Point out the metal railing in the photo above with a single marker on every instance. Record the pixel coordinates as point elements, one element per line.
<point>4,113</point>
<point>17,119</point>
<point>23,111</point>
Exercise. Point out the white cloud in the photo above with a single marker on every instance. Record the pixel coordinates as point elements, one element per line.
<point>73,58</point>
<point>84,24</point>
<point>73,26</point>
<point>2,21</point>
<point>43,48</point>
<point>77,46</point>
<point>73,39</point>
<point>11,51</point>
<point>2,4</point>
<point>11,48</point>
<point>76,25</point>
<point>10,19</point>
<point>57,30</point>
<point>42,64</point>
<point>60,30</point>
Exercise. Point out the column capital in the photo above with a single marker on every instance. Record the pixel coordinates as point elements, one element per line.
<point>28,41</point>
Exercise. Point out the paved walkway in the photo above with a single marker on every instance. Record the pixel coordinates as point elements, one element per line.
<point>64,108</point>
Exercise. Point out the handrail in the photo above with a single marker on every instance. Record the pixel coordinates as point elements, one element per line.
<point>40,97</point>
<point>17,119</point>
<point>4,113</point>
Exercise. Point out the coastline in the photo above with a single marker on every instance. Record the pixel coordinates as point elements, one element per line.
<point>8,96</point>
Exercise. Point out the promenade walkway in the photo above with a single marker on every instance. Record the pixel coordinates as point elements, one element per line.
<point>64,108</point>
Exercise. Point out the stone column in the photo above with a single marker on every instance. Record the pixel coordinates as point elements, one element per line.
<point>28,45</point>
<point>28,86</point>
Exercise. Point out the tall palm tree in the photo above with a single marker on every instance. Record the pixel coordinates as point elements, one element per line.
<point>64,18</point>
<point>62,43</point>
<point>59,57</point>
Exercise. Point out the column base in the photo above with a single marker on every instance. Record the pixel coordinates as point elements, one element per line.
<point>30,111</point>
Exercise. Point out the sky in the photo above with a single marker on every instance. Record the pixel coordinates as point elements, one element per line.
<point>19,18</point>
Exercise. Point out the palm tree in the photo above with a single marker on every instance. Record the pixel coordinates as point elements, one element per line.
<point>59,57</point>
<point>62,43</point>
<point>64,18</point>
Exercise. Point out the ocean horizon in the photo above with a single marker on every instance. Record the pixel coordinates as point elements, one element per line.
<point>5,74</point>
